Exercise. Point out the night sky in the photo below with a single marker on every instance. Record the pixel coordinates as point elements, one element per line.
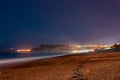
<point>28,23</point>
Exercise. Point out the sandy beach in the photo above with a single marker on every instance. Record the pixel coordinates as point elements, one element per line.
<point>93,66</point>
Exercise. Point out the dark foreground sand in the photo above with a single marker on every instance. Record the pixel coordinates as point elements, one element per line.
<point>100,66</point>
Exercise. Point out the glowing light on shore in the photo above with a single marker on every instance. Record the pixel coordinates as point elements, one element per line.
<point>77,46</point>
<point>82,51</point>
<point>24,50</point>
<point>107,48</point>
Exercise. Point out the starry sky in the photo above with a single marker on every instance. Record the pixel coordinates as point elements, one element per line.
<point>29,23</point>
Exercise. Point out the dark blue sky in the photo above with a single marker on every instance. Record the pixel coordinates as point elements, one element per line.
<point>28,23</point>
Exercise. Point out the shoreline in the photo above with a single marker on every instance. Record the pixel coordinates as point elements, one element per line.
<point>93,66</point>
<point>14,61</point>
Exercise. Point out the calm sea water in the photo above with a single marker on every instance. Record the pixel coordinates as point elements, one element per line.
<point>4,56</point>
<point>14,58</point>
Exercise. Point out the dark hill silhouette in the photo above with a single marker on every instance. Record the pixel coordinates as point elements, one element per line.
<point>54,47</point>
<point>116,46</point>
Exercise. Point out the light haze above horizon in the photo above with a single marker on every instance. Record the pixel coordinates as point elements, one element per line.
<point>28,23</point>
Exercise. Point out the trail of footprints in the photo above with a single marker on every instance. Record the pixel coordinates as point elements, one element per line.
<point>77,75</point>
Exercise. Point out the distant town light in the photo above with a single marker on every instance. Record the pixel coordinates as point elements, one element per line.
<point>78,46</point>
<point>107,48</point>
<point>24,50</point>
<point>118,43</point>
<point>82,51</point>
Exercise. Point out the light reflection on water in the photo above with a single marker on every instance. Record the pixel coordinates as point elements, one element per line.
<point>21,60</point>
<point>8,58</point>
<point>26,55</point>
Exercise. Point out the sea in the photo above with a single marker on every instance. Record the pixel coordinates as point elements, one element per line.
<point>13,58</point>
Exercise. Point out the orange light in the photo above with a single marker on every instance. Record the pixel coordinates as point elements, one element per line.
<point>24,50</point>
<point>82,51</point>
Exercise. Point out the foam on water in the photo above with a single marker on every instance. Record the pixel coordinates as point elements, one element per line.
<point>19,60</point>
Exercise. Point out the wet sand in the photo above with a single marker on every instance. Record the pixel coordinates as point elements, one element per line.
<point>94,66</point>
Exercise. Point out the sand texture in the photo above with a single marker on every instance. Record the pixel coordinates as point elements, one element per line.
<point>94,66</point>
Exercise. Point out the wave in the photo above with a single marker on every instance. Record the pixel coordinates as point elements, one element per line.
<point>21,60</point>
